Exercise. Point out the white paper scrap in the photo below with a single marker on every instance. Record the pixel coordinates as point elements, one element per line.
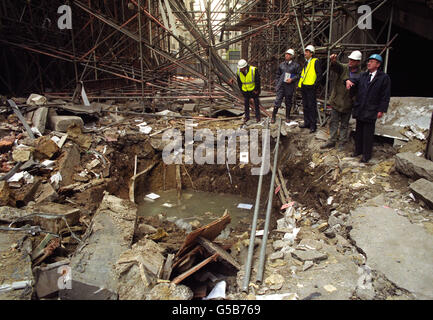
<point>219,291</point>
<point>245,206</point>
<point>152,196</point>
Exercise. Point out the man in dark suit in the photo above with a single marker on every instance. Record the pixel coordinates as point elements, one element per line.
<point>372,101</point>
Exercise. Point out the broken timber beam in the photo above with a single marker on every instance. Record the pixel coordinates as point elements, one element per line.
<point>193,270</point>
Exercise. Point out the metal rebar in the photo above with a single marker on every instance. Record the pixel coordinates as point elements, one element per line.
<point>254,223</point>
<point>388,38</point>
<point>268,210</point>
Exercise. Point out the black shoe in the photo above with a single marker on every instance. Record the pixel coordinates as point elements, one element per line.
<point>328,145</point>
<point>303,126</point>
<point>312,130</point>
<point>355,154</point>
<point>364,160</point>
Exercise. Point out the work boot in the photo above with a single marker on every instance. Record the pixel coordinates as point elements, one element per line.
<point>303,126</point>
<point>327,145</point>
<point>274,115</point>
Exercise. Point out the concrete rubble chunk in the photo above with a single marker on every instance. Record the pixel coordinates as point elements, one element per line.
<point>423,189</point>
<point>21,155</point>
<point>138,269</point>
<point>69,159</point>
<point>46,193</point>
<point>402,251</point>
<point>170,291</point>
<point>5,194</point>
<point>62,123</point>
<point>36,100</point>
<point>93,264</point>
<point>309,255</point>
<point>39,119</point>
<point>45,148</point>
<point>310,244</point>
<point>413,166</point>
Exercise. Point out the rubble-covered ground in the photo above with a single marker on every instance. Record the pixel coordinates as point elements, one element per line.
<point>69,200</point>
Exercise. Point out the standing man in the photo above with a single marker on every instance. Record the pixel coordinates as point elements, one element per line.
<point>288,74</point>
<point>249,84</point>
<point>341,99</point>
<point>310,78</point>
<point>374,92</point>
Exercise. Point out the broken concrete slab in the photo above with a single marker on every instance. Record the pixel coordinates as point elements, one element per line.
<point>189,107</point>
<point>16,265</point>
<point>395,247</point>
<point>62,123</point>
<point>93,264</point>
<point>413,166</point>
<point>39,119</point>
<point>71,214</point>
<point>423,189</point>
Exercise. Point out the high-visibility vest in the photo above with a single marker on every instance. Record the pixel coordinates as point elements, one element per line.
<point>309,76</point>
<point>248,81</point>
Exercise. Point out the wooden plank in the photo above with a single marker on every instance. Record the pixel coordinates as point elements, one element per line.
<point>210,232</point>
<point>178,182</point>
<point>214,248</point>
<point>283,185</point>
<point>132,183</point>
<point>168,267</point>
<point>193,270</point>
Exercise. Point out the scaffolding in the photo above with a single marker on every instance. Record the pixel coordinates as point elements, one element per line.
<point>171,50</point>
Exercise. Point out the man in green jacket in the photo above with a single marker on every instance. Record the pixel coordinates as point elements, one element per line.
<point>341,99</point>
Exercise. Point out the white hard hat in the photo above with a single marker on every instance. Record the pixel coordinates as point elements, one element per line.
<point>291,51</point>
<point>310,48</point>
<point>356,55</point>
<point>242,63</point>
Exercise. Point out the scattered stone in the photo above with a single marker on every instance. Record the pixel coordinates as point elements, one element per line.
<point>5,194</point>
<point>330,288</point>
<point>275,281</point>
<point>310,255</point>
<point>45,193</point>
<point>365,293</point>
<point>310,244</point>
<point>36,100</point>
<point>21,155</point>
<point>280,244</point>
<point>322,226</point>
<point>413,166</point>
<point>170,291</point>
<point>276,255</point>
<point>45,148</point>
<point>332,221</point>
<point>307,265</point>
<point>424,190</point>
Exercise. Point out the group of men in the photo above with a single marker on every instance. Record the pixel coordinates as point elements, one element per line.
<point>363,95</point>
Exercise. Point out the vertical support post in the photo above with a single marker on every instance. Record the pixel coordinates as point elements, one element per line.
<point>388,38</point>
<point>141,55</point>
<point>327,63</point>
<point>299,27</point>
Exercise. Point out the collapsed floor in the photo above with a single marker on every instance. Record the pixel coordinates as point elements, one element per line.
<point>73,204</point>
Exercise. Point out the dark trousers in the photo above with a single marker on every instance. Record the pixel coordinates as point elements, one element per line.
<point>340,121</point>
<point>310,106</point>
<point>364,138</point>
<point>285,93</point>
<point>247,97</point>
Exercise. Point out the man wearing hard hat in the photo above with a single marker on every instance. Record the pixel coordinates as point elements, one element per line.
<point>372,101</point>
<point>341,99</point>
<point>287,75</point>
<point>249,84</point>
<point>310,78</point>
